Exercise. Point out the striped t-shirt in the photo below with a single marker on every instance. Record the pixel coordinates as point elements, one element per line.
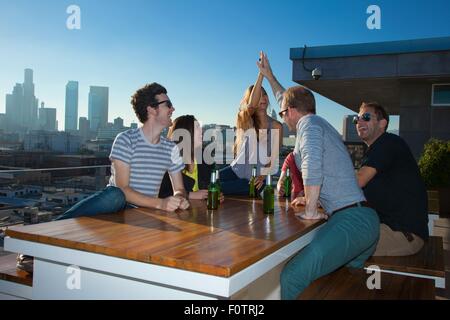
<point>148,162</point>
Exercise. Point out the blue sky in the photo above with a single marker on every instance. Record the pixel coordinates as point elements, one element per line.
<point>203,51</point>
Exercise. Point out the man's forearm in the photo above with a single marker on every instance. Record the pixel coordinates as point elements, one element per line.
<point>181,193</point>
<point>275,85</point>
<point>312,198</point>
<point>365,175</point>
<point>280,183</point>
<point>141,200</point>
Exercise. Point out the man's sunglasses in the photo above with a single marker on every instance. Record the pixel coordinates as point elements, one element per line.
<point>365,116</point>
<point>169,103</point>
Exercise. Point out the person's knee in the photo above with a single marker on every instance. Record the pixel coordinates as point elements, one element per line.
<point>117,198</point>
<point>316,253</point>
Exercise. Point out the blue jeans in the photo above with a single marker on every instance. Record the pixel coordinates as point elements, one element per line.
<point>109,200</point>
<point>349,238</point>
<point>231,184</point>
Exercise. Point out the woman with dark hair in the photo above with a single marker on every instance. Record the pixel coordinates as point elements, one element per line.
<point>187,133</point>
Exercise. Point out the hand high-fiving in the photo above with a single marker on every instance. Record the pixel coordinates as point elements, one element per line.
<point>264,66</point>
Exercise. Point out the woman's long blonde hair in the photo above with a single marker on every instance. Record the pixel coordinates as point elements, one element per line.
<point>244,121</point>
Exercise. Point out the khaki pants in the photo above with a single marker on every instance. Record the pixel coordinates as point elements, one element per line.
<point>395,243</point>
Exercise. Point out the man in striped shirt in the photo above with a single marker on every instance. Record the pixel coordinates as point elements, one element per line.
<point>139,159</point>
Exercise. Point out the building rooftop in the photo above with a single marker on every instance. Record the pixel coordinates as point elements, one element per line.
<point>374,48</point>
<point>17,202</point>
<point>354,73</point>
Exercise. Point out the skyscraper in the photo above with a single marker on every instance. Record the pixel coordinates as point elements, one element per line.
<point>98,107</point>
<point>30,103</point>
<point>2,121</point>
<point>14,109</point>
<point>349,132</point>
<point>22,105</point>
<point>71,110</point>
<point>9,108</point>
<point>47,118</point>
<point>84,128</point>
<point>118,123</point>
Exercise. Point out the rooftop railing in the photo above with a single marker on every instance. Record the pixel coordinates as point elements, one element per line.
<point>49,191</point>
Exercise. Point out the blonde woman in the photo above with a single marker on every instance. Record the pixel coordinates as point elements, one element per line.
<point>255,144</point>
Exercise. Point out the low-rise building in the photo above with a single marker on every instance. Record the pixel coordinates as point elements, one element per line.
<point>52,141</point>
<point>63,198</point>
<point>19,191</point>
<point>24,177</point>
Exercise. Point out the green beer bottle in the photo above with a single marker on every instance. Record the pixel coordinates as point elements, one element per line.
<point>219,188</point>
<point>287,184</point>
<point>252,187</point>
<point>269,198</point>
<point>213,193</point>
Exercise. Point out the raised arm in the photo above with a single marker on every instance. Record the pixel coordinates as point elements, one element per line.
<point>264,68</point>
<point>255,96</point>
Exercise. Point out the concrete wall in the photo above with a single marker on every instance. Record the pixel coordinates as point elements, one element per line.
<point>419,121</point>
<point>411,65</point>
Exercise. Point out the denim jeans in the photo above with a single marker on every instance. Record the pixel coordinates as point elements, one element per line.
<point>231,184</point>
<point>348,238</point>
<point>109,200</point>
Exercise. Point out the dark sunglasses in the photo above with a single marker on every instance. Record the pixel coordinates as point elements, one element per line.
<point>365,116</point>
<point>281,113</point>
<point>169,103</point>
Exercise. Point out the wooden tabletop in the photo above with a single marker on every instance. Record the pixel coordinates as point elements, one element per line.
<point>220,242</point>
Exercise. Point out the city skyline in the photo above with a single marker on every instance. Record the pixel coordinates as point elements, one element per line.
<point>203,52</point>
<point>22,112</point>
<point>98,109</point>
<point>98,99</point>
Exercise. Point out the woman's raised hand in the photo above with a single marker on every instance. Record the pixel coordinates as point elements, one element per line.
<point>264,66</point>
